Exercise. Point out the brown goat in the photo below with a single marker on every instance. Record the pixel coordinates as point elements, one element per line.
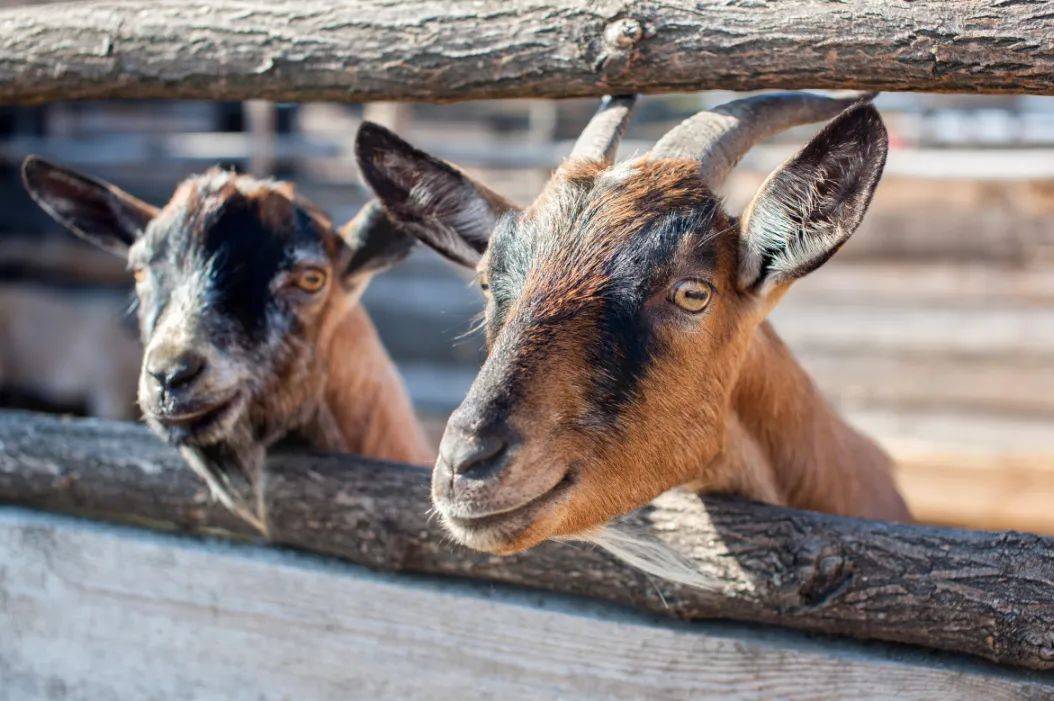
<point>249,314</point>
<point>628,351</point>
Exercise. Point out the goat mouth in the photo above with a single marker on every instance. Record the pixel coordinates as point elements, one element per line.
<point>185,426</point>
<point>494,529</point>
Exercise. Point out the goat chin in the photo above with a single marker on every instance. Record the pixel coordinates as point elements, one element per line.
<point>638,547</point>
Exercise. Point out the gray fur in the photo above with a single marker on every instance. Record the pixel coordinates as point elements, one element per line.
<point>214,284</point>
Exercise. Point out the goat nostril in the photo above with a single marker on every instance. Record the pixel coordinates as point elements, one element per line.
<point>179,371</point>
<point>475,458</point>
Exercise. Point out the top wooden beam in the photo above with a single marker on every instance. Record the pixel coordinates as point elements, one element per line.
<point>361,50</point>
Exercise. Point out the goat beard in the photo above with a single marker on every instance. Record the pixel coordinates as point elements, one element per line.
<point>234,473</point>
<point>640,548</point>
<point>639,539</point>
<point>234,466</point>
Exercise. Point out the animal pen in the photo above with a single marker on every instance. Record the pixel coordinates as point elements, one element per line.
<point>357,592</point>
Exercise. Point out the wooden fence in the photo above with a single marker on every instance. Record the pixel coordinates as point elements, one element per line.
<point>95,612</point>
<point>984,594</point>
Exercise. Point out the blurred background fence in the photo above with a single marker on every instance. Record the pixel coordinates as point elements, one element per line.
<point>933,329</point>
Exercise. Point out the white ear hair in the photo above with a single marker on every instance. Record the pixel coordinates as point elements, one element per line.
<point>808,207</point>
<point>771,218</point>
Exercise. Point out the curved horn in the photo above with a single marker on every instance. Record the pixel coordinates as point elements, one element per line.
<point>600,139</point>
<point>719,137</point>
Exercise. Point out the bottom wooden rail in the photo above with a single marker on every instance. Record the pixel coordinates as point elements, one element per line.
<point>986,594</point>
<point>102,612</point>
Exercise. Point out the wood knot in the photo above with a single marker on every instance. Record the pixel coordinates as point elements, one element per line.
<point>618,46</point>
<point>1043,640</point>
<point>822,573</point>
<point>623,34</point>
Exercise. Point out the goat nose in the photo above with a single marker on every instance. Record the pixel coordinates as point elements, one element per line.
<point>474,454</point>
<point>176,371</point>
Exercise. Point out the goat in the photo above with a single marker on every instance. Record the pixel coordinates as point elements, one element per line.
<point>627,347</point>
<point>249,315</point>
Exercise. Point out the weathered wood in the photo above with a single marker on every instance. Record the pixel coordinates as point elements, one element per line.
<point>360,50</point>
<point>203,620</point>
<point>1000,492</point>
<point>987,594</point>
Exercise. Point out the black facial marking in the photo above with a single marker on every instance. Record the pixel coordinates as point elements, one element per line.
<point>625,344</point>
<point>232,245</point>
<point>245,256</point>
<point>622,344</point>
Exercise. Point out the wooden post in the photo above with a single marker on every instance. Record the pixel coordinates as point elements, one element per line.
<point>393,115</point>
<point>260,119</point>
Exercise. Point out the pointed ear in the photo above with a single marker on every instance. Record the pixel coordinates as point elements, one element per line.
<point>439,204</point>
<point>375,242</point>
<point>96,211</point>
<point>813,203</point>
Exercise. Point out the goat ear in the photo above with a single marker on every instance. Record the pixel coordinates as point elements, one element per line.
<point>375,241</point>
<point>96,211</point>
<point>437,203</point>
<point>812,204</point>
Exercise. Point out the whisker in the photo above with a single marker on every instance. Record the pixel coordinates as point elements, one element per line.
<point>476,324</point>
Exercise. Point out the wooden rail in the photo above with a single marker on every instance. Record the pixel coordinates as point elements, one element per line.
<point>362,50</point>
<point>100,612</point>
<point>986,594</point>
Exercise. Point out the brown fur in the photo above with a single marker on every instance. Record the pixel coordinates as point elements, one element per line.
<point>364,394</point>
<point>602,388</point>
<point>815,458</point>
<point>726,408</point>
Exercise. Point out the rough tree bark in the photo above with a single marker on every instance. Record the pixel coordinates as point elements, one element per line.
<point>361,50</point>
<point>987,594</point>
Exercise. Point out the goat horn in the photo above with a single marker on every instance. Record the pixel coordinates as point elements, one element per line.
<point>719,137</point>
<point>600,139</point>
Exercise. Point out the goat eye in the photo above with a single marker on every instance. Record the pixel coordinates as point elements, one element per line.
<point>484,282</point>
<point>691,295</point>
<point>139,274</point>
<point>310,279</point>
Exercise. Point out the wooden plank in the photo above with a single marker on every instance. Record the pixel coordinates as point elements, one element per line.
<point>989,492</point>
<point>50,346</point>
<point>61,261</point>
<point>980,285</point>
<point>836,326</point>
<point>179,150</point>
<point>1008,384</point>
<point>359,50</point>
<point>104,613</point>
<point>987,594</point>
<point>925,432</point>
